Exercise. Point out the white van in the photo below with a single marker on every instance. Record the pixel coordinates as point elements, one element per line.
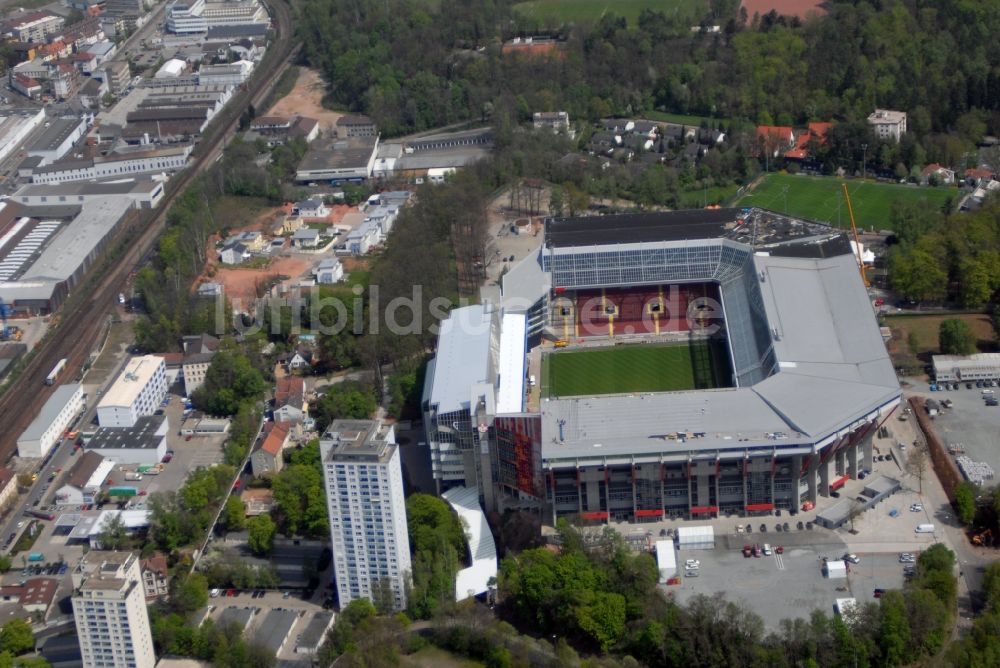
<point>924,528</point>
<point>767,549</point>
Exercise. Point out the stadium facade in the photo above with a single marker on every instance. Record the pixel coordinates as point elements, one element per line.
<point>809,379</point>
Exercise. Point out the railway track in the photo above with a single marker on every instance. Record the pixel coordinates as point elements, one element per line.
<point>82,320</point>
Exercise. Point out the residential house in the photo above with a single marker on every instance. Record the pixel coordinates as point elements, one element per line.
<point>92,92</point>
<point>299,359</point>
<point>155,577</point>
<point>306,128</point>
<point>554,121</point>
<point>199,351</point>
<point>290,405</point>
<point>289,225</point>
<point>361,239</point>
<point>235,253</point>
<point>888,124</point>
<point>268,458</point>
<point>814,136</point>
<point>329,271</point>
<point>257,501</point>
<point>35,595</point>
<point>253,240</point>
<point>976,176</point>
<point>943,175</point>
<point>8,488</point>
<point>311,208</point>
<point>26,86</point>
<point>774,140</point>
<point>305,238</point>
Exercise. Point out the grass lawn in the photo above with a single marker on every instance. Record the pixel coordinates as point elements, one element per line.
<point>696,199</point>
<point>820,198</point>
<point>925,328</point>
<point>435,657</point>
<point>634,368</point>
<point>592,10</point>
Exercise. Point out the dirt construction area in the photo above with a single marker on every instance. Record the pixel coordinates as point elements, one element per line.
<point>243,283</point>
<point>306,99</point>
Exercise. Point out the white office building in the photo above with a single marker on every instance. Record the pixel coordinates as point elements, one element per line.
<point>136,392</point>
<point>64,406</point>
<point>367,511</point>
<point>888,124</point>
<point>109,606</point>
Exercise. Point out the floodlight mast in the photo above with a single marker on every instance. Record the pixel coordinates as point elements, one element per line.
<point>857,241</point>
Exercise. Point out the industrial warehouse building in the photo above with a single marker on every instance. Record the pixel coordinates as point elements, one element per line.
<point>963,368</point>
<point>789,376</point>
<point>64,406</point>
<point>143,443</point>
<point>137,392</point>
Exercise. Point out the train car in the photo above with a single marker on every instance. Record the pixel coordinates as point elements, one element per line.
<point>54,374</point>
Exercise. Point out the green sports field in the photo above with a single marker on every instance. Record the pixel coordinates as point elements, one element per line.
<point>821,198</point>
<point>560,11</point>
<point>635,368</point>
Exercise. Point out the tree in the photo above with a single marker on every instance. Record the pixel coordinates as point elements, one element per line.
<point>5,563</point>
<point>189,592</point>
<point>16,637</point>
<point>234,516</point>
<point>261,534</point>
<point>965,502</point>
<point>113,534</point>
<point>916,465</point>
<point>955,338</point>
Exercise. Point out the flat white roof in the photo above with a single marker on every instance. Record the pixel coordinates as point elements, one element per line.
<point>473,580</point>
<point>511,363</point>
<point>53,406</point>
<point>134,377</point>
<point>462,358</point>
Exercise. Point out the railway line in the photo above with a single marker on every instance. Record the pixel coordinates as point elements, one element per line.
<point>81,321</point>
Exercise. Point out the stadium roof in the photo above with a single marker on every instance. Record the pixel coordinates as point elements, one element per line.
<point>473,580</point>
<point>510,397</point>
<point>639,228</point>
<point>462,358</point>
<point>833,369</point>
<point>525,283</point>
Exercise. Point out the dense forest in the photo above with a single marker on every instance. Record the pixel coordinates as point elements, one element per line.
<point>415,65</point>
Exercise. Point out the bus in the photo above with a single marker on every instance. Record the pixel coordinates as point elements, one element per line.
<point>40,514</point>
<point>54,374</point>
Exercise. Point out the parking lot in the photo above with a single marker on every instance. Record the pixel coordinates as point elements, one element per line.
<point>970,422</point>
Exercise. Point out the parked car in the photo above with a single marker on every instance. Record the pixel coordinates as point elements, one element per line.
<point>878,592</point>
<point>747,551</point>
<point>907,558</point>
<point>852,558</point>
<point>691,574</point>
<point>916,507</point>
<point>692,564</point>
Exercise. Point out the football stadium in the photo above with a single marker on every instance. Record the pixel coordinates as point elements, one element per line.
<point>680,364</point>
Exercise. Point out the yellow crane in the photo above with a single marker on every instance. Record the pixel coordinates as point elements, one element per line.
<point>857,241</point>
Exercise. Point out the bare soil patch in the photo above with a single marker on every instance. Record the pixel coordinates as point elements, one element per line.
<point>306,99</point>
<point>801,8</point>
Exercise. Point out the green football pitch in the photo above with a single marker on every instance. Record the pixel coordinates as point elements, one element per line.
<point>821,198</point>
<point>635,368</point>
<point>593,10</point>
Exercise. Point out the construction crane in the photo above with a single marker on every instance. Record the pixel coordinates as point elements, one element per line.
<point>857,241</point>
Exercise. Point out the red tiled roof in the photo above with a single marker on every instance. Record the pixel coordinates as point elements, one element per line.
<point>26,81</point>
<point>275,439</point>
<point>977,173</point>
<point>289,386</point>
<point>156,563</point>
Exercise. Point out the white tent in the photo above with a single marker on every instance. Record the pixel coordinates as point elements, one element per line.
<point>696,538</point>
<point>666,560</point>
<point>836,569</point>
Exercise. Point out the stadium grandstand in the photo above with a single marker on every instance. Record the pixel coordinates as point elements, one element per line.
<point>681,364</point>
